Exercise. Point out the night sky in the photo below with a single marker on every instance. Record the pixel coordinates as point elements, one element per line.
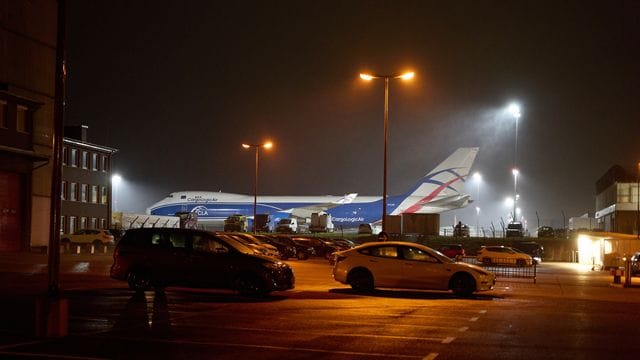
<point>177,86</point>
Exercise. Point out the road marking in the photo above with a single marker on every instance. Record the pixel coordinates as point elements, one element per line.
<point>482,311</point>
<point>431,356</point>
<point>475,318</point>
<point>383,324</point>
<point>448,340</point>
<point>463,329</point>
<point>272,347</point>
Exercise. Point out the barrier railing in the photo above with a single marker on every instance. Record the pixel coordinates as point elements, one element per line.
<point>504,268</point>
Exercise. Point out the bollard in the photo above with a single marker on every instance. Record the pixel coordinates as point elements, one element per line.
<point>93,249</point>
<point>627,272</point>
<point>77,249</point>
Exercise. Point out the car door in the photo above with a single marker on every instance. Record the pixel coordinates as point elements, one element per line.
<point>385,265</point>
<point>423,270</point>
<point>211,262</point>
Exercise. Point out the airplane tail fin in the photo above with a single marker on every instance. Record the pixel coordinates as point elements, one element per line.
<point>447,179</point>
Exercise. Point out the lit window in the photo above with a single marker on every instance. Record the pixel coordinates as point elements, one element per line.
<point>83,222</point>
<point>84,192</point>
<point>85,160</point>
<point>105,164</point>
<point>103,195</point>
<point>64,155</point>
<point>73,191</point>
<point>94,193</point>
<point>72,224</point>
<point>74,157</point>
<point>62,224</point>
<point>94,162</point>
<point>94,223</point>
<point>103,223</point>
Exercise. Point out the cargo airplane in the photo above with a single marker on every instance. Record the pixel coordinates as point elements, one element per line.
<point>438,191</point>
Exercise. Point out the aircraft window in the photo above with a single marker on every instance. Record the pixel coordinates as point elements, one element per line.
<point>183,196</point>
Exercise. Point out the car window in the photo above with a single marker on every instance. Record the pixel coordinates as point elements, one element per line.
<point>178,240</point>
<point>161,240</point>
<point>415,254</point>
<point>206,244</point>
<point>382,251</point>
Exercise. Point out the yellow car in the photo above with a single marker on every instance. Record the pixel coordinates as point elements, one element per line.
<point>88,236</point>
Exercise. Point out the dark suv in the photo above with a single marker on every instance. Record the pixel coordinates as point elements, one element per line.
<point>160,257</point>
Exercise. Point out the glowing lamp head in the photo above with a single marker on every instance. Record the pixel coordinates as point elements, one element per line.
<point>477,177</point>
<point>514,110</point>
<point>267,145</point>
<point>515,172</point>
<point>366,77</point>
<point>407,75</point>
<point>246,146</point>
<point>116,179</point>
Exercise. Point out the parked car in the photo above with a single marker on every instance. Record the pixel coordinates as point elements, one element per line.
<point>160,257</point>
<point>235,223</point>
<point>253,242</point>
<point>452,250</point>
<point>635,264</point>
<point>302,251</point>
<point>545,232</point>
<point>503,255</point>
<point>285,250</point>
<point>88,236</point>
<point>515,229</point>
<point>395,264</point>
<point>316,246</point>
<point>288,226</point>
<point>461,230</point>
<point>531,248</point>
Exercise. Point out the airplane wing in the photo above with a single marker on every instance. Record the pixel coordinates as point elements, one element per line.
<point>306,211</point>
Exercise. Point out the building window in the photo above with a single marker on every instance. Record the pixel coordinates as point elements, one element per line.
<point>72,224</point>
<point>64,155</point>
<point>103,223</point>
<point>103,195</point>
<point>4,115</point>
<point>63,191</point>
<point>73,191</point>
<point>94,223</point>
<point>83,222</point>
<point>22,119</point>
<point>63,225</point>
<point>84,192</point>
<point>105,164</point>
<point>95,159</point>
<point>74,158</point>
<point>94,193</point>
<point>85,160</point>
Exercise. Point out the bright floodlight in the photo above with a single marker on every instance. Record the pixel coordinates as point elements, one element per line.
<point>514,110</point>
<point>508,202</point>
<point>246,146</point>
<point>366,77</point>
<point>407,76</point>
<point>515,172</point>
<point>268,145</point>
<point>116,179</point>
<point>477,177</point>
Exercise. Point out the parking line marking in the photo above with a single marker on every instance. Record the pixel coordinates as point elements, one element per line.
<point>386,324</point>
<point>463,329</point>
<point>482,311</point>
<point>431,356</point>
<point>448,340</point>
<point>475,318</point>
<point>272,347</point>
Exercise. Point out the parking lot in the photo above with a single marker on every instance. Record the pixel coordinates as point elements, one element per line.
<point>569,313</point>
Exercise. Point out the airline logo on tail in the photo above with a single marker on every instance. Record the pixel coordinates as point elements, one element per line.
<point>443,185</point>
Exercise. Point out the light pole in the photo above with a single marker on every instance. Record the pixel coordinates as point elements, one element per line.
<point>369,77</point>
<point>115,183</point>
<point>515,192</point>
<point>638,202</point>
<point>514,110</point>
<point>478,179</point>
<point>267,145</point>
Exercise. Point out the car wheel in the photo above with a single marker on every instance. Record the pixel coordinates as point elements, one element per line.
<point>250,285</point>
<point>361,280</point>
<point>139,280</point>
<point>486,261</point>
<point>462,284</point>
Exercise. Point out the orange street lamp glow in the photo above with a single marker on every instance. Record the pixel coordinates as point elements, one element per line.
<point>267,145</point>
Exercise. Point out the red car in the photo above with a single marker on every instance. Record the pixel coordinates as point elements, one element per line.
<point>452,250</point>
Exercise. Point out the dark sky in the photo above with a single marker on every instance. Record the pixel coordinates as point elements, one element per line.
<point>177,86</point>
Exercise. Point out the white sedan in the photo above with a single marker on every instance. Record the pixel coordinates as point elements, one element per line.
<point>404,265</point>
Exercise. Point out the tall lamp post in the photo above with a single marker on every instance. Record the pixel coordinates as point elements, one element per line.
<point>116,180</point>
<point>369,77</point>
<point>515,192</point>
<point>638,202</point>
<point>267,145</point>
<point>478,179</point>
<point>514,110</point>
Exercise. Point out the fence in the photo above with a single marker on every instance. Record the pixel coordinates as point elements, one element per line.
<point>504,268</point>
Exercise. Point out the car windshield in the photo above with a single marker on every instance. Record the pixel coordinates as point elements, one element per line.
<point>241,247</point>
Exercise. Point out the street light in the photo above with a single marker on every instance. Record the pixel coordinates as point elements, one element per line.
<point>515,191</point>
<point>267,145</point>
<point>369,77</point>
<point>477,177</point>
<point>115,183</point>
